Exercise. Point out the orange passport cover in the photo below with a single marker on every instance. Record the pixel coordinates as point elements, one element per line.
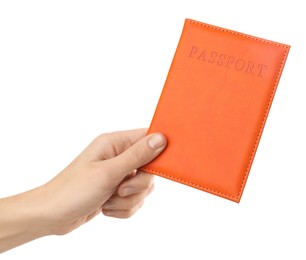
<point>214,106</point>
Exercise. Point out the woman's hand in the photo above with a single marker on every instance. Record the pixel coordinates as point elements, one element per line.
<point>102,178</point>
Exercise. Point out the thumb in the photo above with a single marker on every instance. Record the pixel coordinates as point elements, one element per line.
<point>137,155</point>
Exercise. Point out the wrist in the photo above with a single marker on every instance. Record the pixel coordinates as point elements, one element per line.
<point>22,219</point>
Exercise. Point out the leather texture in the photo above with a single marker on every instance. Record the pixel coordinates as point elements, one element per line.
<point>214,106</point>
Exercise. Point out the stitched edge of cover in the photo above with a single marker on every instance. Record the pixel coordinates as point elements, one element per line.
<point>237,33</point>
<point>192,184</point>
<point>237,198</point>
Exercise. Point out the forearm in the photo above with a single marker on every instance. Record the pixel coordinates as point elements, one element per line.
<point>21,219</point>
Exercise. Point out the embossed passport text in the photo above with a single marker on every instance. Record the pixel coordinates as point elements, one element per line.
<point>214,106</point>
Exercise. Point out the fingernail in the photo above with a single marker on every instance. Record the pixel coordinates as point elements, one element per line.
<point>109,213</point>
<point>109,205</point>
<point>127,191</point>
<point>156,141</point>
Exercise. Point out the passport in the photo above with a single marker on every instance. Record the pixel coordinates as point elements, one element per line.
<point>214,106</point>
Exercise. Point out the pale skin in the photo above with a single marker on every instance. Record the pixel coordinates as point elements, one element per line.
<point>102,178</point>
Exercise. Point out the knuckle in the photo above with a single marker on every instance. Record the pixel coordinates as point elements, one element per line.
<point>149,180</point>
<point>129,213</point>
<point>140,205</point>
<point>138,155</point>
<point>151,188</point>
<point>101,137</point>
<point>144,181</point>
<point>100,140</point>
<point>132,202</point>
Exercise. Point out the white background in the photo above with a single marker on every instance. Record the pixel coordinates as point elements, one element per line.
<point>70,70</point>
